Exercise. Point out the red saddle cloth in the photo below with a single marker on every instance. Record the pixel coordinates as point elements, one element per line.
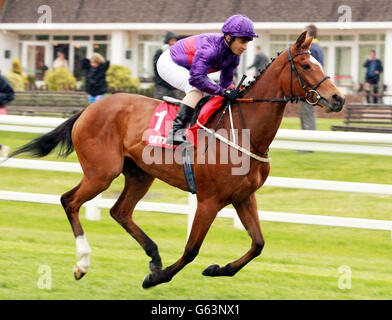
<point>160,124</point>
<point>162,120</point>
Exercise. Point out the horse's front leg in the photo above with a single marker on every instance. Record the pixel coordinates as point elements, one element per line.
<point>204,216</point>
<point>247,212</point>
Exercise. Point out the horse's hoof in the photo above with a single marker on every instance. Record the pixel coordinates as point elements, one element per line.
<point>149,281</point>
<point>211,270</point>
<point>78,274</point>
<point>154,278</point>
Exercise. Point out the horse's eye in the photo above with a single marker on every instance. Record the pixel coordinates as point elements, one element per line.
<point>306,67</point>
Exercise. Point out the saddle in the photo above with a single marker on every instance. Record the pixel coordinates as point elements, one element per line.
<point>161,123</point>
<point>164,114</point>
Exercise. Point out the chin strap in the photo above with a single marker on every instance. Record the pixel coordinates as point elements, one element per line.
<point>228,43</point>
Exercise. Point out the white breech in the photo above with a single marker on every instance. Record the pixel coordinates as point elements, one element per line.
<point>178,77</point>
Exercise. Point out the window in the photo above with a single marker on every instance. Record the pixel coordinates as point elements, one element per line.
<point>81,38</point>
<point>101,48</point>
<point>146,53</point>
<point>343,75</point>
<point>60,38</point>
<point>324,38</point>
<point>325,66</point>
<point>151,37</point>
<point>278,37</point>
<point>148,45</point>
<point>79,53</point>
<point>293,37</point>
<point>369,42</point>
<point>25,37</point>
<point>344,38</point>
<point>275,48</point>
<point>367,37</point>
<point>42,37</point>
<point>101,37</point>
<point>34,49</point>
<point>279,43</point>
<point>35,61</point>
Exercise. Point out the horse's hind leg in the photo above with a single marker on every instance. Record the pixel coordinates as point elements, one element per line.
<point>204,216</point>
<point>72,201</point>
<point>137,183</point>
<point>247,212</point>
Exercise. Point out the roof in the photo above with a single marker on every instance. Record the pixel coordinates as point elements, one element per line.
<point>190,11</point>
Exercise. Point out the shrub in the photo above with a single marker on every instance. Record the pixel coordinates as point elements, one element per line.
<point>15,80</point>
<point>60,79</point>
<point>119,77</point>
<point>17,68</point>
<point>31,79</point>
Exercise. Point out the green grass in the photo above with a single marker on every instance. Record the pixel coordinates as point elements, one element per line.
<point>298,261</point>
<point>323,124</point>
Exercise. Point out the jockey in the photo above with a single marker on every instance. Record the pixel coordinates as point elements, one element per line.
<point>186,65</point>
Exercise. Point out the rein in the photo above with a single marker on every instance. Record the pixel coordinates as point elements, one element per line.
<point>232,144</point>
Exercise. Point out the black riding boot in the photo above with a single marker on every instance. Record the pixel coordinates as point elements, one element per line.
<point>176,134</point>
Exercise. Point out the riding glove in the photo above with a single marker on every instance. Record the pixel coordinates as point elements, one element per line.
<point>230,95</point>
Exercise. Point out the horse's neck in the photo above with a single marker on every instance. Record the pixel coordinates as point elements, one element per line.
<point>264,118</point>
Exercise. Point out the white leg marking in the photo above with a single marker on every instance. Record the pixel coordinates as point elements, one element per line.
<point>83,252</point>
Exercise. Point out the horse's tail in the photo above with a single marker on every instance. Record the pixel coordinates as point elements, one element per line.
<point>45,144</point>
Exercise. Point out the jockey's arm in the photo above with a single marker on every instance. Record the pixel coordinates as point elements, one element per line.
<point>199,70</point>
<point>227,75</point>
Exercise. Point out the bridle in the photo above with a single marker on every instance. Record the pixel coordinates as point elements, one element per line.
<point>309,90</point>
<point>302,82</point>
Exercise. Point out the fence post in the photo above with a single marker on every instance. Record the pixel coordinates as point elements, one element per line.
<point>93,212</point>
<point>192,201</point>
<point>237,222</point>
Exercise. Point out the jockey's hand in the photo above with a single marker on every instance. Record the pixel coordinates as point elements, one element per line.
<point>230,95</point>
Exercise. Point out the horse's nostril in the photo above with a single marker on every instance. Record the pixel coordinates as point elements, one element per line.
<point>338,99</point>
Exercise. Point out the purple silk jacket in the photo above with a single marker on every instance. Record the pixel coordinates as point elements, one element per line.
<point>203,54</point>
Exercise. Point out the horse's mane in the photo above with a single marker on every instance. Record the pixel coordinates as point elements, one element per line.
<point>260,73</point>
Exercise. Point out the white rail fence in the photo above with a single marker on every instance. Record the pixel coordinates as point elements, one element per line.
<point>327,141</point>
<point>360,143</point>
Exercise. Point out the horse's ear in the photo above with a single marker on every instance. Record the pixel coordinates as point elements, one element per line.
<point>307,43</point>
<point>300,39</point>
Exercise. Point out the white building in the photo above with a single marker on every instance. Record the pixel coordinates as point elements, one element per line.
<point>129,32</point>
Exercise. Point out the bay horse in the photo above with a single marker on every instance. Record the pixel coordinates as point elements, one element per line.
<point>108,139</point>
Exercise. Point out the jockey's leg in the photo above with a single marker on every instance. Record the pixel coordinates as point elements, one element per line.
<point>178,77</point>
<point>184,115</point>
<point>192,98</point>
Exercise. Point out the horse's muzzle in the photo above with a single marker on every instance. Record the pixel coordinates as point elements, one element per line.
<point>335,105</point>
